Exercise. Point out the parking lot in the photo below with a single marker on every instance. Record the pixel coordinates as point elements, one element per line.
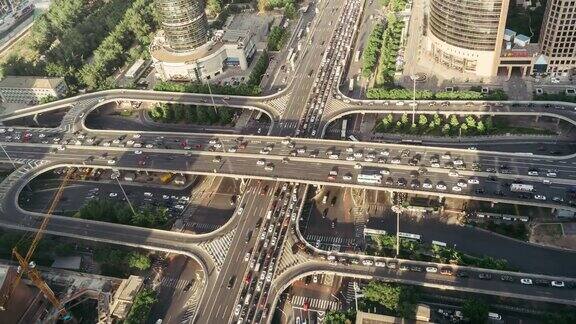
<point>200,206</point>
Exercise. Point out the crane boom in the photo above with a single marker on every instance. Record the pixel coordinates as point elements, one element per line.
<point>24,262</point>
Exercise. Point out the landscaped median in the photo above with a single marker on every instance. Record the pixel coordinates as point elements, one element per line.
<point>454,125</point>
<point>385,245</point>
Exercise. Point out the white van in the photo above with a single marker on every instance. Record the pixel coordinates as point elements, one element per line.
<point>494,316</point>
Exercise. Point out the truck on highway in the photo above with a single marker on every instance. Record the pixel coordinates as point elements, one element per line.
<point>520,187</point>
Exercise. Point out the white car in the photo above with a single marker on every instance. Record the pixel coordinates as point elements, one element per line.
<point>380,264</point>
<point>261,162</point>
<point>137,152</point>
<point>539,197</point>
<point>446,156</point>
<point>358,154</point>
<point>526,281</point>
<point>357,166</point>
<point>385,172</point>
<point>462,184</point>
<point>247,256</point>
<point>551,174</point>
<point>61,148</point>
<point>427,185</point>
<point>237,310</point>
<point>533,173</point>
<point>431,269</point>
<point>41,135</point>
<point>135,135</point>
<point>453,173</point>
<point>349,149</point>
<point>441,186</point>
<point>350,158</point>
<point>367,262</point>
<point>435,165</point>
<point>149,146</point>
<point>456,189</point>
<point>556,283</point>
<point>113,194</point>
<point>346,177</point>
<point>385,153</point>
<point>112,161</point>
<point>395,161</point>
<point>179,207</point>
<point>269,167</point>
<point>473,181</point>
<point>458,162</point>
<point>240,210</point>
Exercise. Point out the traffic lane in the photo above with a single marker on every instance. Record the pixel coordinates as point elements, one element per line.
<point>254,207</point>
<point>521,255</point>
<point>393,150</point>
<point>241,165</point>
<point>474,285</point>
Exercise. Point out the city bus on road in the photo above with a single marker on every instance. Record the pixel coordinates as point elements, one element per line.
<point>344,126</point>
<point>369,177</point>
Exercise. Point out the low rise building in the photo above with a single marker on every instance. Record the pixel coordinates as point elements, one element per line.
<point>124,296</point>
<point>31,90</point>
<point>228,48</point>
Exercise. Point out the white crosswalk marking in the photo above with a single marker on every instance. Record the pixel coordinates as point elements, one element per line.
<point>315,303</point>
<point>329,239</point>
<point>218,248</point>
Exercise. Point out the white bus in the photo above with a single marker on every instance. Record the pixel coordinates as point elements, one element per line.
<point>351,85</point>
<point>352,138</point>
<point>258,115</point>
<point>290,52</point>
<point>344,126</point>
<point>519,187</point>
<point>409,236</point>
<point>369,178</point>
<point>357,56</point>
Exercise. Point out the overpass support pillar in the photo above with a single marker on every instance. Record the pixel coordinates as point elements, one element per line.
<point>537,118</point>
<point>36,119</point>
<point>243,183</point>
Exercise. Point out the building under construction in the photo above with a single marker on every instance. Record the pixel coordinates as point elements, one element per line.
<point>112,297</point>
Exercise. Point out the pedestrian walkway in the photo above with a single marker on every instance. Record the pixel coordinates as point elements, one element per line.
<point>288,259</point>
<point>279,103</point>
<point>202,227</point>
<point>313,239</point>
<point>218,248</point>
<point>193,302</point>
<point>315,303</point>
<point>175,283</point>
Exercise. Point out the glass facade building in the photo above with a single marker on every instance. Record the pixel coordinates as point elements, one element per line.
<point>466,35</point>
<point>184,23</point>
<point>469,24</point>
<point>558,36</point>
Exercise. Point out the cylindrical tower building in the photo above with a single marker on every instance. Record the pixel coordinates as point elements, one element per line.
<point>184,23</point>
<point>466,35</point>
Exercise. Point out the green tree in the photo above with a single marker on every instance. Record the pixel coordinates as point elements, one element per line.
<point>488,123</point>
<point>422,120</point>
<point>476,311</point>
<point>141,307</point>
<point>340,317</point>
<point>214,7</point>
<point>454,122</point>
<point>290,10</point>
<point>471,121</point>
<point>404,119</point>
<point>138,261</point>
<point>437,119</point>
<point>480,127</point>
<point>399,299</point>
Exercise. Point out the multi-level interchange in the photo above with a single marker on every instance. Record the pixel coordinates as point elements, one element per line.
<point>248,262</point>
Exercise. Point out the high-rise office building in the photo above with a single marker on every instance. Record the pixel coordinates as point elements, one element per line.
<point>184,23</point>
<point>466,35</point>
<point>558,36</point>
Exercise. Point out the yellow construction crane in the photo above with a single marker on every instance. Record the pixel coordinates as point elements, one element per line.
<point>29,267</point>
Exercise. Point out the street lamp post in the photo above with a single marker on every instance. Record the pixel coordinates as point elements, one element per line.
<point>209,90</point>
<point>414,77</point>
<point>125,196</point>
<point>8,156</point>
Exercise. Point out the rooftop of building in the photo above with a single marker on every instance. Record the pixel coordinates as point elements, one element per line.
<point>530,50</point>
<point>159,51</point>
<point>28,82</point>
